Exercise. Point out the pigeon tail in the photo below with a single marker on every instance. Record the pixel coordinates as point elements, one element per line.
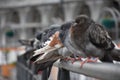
<point>47,59</point>
<point>43,66</point>
<point>116,47</point>
<point>48,56</point>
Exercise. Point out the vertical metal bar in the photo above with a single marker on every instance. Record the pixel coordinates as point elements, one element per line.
<point>62,7</point>
<point>44,75</point>
<point>63,74</point>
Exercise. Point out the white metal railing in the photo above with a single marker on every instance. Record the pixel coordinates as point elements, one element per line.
<point>103,71</point>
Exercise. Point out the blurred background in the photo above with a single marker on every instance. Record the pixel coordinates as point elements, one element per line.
<point>22,19</point>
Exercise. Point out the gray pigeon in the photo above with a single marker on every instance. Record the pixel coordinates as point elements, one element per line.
<point>85,33</point>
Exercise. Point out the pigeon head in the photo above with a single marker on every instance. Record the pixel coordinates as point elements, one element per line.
<point>28,42</point>
<point>82,20</point>
<point>80,26</point>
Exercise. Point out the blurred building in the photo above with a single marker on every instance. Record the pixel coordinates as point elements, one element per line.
<point>21,19</point>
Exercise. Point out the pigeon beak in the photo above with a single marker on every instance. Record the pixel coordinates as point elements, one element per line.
<point>74,24</point>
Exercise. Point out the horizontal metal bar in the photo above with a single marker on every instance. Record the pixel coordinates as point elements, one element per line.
<point>104,71</point>
<point>26,3</point>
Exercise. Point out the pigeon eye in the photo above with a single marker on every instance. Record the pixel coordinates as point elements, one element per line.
<point>82,21</point>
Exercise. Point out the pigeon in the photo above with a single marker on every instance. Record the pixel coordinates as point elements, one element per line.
<point>84,32</point>
<point>45,39</point>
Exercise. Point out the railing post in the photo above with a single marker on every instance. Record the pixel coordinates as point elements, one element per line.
<point>44,75</point>
<point>63,74</point>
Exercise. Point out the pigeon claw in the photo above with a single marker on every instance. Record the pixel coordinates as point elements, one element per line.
<point>72,59</point>
<point>88,60</point>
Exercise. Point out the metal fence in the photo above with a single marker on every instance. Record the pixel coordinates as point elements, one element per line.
<point>25,71</point>
<point>103,71</point>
